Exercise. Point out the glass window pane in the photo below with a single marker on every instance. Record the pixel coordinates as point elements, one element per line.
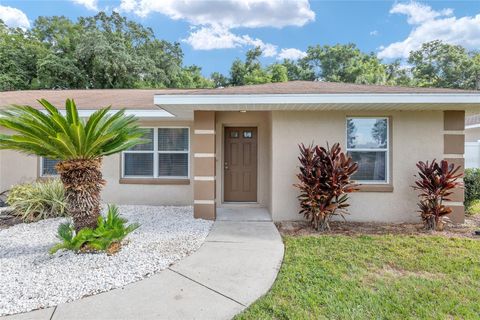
<point>371,165</point>
<point>48,167</point>
<point>145,146</point>
<point>138,164</point>
<point>173,139</point>
<point>233,134</point>
<point>247,134</point>
<point>173,164</point>
<point>367,133</point>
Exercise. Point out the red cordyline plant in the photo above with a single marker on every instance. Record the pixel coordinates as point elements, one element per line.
<point>436,182</point>
<point>324,183</point>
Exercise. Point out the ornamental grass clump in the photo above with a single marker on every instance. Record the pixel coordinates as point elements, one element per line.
<point>324,183</point>
<point>106,237</point>
<point>38,200</point>
<point>436,182</point>
<point>79,145</point>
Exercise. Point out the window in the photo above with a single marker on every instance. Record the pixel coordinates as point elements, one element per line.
<point>247,134</point>
<point>47,167</point>
<point>368,144</point>
<point>166,155</point>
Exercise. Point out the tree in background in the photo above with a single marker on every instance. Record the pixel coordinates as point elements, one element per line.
<point>103,51</point>
<point>345,63</point>
<point>279,73</point>
<point>191,77</point>
<point>398,74</point>
<point>252,72</point>
<point>19,52</point>
<point>476,63</point>
<point>110,51</point>
<point>237,73</point>
<point>219,80</point>
<point>57,66</point>
<point>299,70</point>
<point>436,64</point>
<point>442,65</point>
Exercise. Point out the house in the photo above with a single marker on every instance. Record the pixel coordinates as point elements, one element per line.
<point>238,146</point>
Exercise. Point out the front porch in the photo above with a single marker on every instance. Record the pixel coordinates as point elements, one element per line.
<point>231,164</point>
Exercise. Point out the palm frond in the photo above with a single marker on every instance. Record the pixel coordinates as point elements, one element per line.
<point>65,137</point>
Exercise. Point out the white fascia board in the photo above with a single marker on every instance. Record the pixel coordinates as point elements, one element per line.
<point>160,113</point>
<point>473,126</point>
<point>363,98</point>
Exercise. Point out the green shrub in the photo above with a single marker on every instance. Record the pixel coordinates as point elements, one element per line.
<point>107,236</point>
<point>38,200</point>
<point>471,180</point>
<point>473,208</point>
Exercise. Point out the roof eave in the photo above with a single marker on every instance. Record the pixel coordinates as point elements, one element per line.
<point>344,98</point>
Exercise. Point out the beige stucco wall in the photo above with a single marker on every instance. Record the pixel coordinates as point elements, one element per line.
<point>261,120</point>
<point>416,136</point>
<point>472,135</point>
<point>16,168</point>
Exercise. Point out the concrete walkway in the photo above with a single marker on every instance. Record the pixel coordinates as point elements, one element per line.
<point>235,266</point>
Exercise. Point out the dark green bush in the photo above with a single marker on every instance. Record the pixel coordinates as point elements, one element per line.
<point>471,180</point>
<point>107,236</point>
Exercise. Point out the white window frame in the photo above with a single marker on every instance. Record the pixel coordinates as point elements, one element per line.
<point>41,170</point>
<point>156,152</point>
<point>386,150</point>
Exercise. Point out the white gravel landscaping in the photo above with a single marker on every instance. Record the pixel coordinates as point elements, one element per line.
<point>31,278</point>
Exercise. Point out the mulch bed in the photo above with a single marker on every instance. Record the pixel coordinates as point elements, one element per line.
<point>302,228</point>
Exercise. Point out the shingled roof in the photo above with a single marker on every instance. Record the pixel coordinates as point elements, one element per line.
<point>315,87</point>
<point>137,99</point>
<point>142,99</point>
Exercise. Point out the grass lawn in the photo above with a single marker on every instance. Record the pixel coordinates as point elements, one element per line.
<point>374,277</point>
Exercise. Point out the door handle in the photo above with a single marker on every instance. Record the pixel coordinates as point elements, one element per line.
<point>226,165</point>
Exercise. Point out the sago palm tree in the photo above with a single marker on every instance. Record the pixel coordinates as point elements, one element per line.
<point>78,144</point>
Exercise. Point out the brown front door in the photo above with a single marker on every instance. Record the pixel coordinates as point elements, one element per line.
<point>240,166</point>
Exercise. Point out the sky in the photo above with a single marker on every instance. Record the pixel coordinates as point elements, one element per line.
<point>213,33</point>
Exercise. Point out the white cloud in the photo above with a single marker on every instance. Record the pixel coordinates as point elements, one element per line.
<point>418,13</point>
<point>227,13</point>
<point>429,25</point>
<point>214,21</point>
<point>89,4</point>
<point>216,37</point>
<point>14,17</point>
<point>374,33</point>
<point>291,54</point>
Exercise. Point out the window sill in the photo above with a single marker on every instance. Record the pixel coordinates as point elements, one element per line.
<point>375,188</point>
<point>47,178</point>
<point>155,181</point>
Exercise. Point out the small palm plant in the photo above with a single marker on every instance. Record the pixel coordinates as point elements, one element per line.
<point>107,236</point>
<point>79,144</point>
